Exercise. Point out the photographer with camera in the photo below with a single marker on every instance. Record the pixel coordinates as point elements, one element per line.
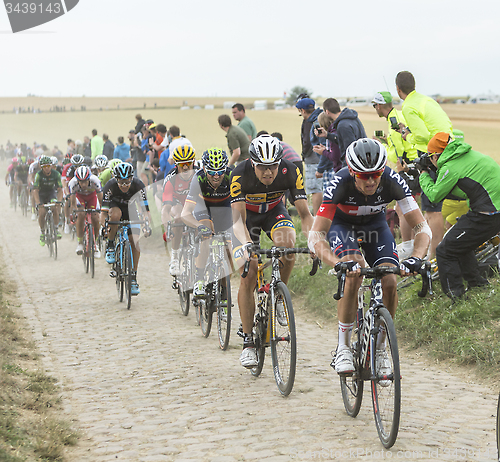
<point>402,153</point>
<point>425,118</point>
<point>467,174</point>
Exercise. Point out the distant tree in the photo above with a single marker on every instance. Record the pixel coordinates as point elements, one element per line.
<point>295,92</point>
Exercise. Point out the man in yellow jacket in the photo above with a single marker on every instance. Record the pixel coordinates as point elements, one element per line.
<point>400,153</point>
<point>424,118</point>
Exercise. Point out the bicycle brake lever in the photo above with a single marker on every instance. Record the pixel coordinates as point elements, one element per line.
<point>315,266</point>
<point>340,289</point>
<point>244,273</point>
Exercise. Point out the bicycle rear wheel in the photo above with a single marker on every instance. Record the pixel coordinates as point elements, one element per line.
<point>386,390</point>
<point>352,386</point>
<point>182,283</point>
<point>223,307</point>
<point>205,307</point>
<point>283,339</point>
<point>260,338</point>
<point>127,272</point>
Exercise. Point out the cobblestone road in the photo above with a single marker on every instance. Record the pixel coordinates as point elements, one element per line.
<point>144,385</point>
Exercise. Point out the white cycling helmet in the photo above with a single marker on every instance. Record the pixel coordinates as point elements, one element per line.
<point>366,155</point>
<point>101,161</point>
<point>54,160</point>
<point>265,149</point>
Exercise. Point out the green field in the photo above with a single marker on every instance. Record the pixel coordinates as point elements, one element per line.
<point>480,123</point>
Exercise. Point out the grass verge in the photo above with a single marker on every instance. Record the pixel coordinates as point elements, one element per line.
<point>30,428</point>
<point>466,333</point>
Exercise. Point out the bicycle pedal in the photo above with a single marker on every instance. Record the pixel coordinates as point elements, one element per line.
<point>112,274</point>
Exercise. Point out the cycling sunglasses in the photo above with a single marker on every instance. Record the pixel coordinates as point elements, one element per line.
<point>124,182</point>
<point>214,172</point>
<point>182,164</point>
<point>264,167</point>
<point>367,176</point>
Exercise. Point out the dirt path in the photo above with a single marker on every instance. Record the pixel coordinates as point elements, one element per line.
<point>144,385</point>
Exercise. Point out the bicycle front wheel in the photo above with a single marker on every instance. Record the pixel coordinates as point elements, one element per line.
<point>85,254</point>
<point>127,272</point>
<point>223,307</point>
<point>283,339</point>
<point>498,427</point>
<point>386,386</point>
<point>91,250</point>
<point>49,233</point>
<point>118,266</point>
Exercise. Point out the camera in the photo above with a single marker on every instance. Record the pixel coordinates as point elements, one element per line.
<point>394,123</point>
<point>316,126</point>
<point>423,163</point>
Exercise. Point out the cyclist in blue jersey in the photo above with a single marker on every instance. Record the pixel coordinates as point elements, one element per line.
<point>353,209</point>
<point>118,194</point>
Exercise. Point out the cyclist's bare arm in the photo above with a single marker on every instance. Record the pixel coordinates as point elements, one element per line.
<point>187,215</point>
<point>59,194</point>
<point>317,240</point>
<point>99,198</point>
<point>305,215</point>
<point>240,230</point>
<point>422,238</point>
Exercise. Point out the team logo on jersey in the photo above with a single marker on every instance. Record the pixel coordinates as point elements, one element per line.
<point>379,248</point>
<point>284,171</point>
<point>279,217</point>
<point>235,186</point>
<point>299,184</point>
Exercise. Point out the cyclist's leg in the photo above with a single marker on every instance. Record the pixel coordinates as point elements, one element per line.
<point>280,229</point>
<point>380,250</point>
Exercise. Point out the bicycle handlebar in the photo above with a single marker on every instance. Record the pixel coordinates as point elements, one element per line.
<point>277,252</point>
<point>379,271</point>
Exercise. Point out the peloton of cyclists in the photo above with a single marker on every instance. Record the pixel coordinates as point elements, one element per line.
<point>85,191</point>
<point>354,204</point>
<point>118,193</point>
<point>208,206</point>
<point>47,187</point>
<point>258,185</point>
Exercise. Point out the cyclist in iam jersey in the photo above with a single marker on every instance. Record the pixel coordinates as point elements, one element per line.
<point>353,208</point>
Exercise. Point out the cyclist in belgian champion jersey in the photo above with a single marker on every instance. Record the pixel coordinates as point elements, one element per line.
<point>86,191</point>
<point>208,205</point>
<point>47,187</point>
<point>258,185</point>
<point>354,204</point>
<point>175,191</point>
<point>117,195</point>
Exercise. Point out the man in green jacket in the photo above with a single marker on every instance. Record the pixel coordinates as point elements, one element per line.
<point>424,118</point>
<point>466,173</point>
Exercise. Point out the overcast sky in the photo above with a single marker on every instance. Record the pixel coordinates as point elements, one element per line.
<point>257,48</point>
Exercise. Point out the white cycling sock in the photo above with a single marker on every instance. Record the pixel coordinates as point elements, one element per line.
<point>175,254</point>
<point>345,330</point>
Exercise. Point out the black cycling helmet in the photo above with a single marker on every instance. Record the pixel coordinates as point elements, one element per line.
<point>366,155</point>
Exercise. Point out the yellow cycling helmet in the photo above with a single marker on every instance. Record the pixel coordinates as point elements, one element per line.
<point>184,153</point>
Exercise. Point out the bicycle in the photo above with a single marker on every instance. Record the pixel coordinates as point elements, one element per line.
<point>498,428</point>
<point>23,199</point>
<point>88,255</point>
<point>373,319</point>
<point>218,290</point>
<point>123,267</point>
<point>275,326</point>
<point>483,253</point>
<point>184,281</point>
<point>51,229</point>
